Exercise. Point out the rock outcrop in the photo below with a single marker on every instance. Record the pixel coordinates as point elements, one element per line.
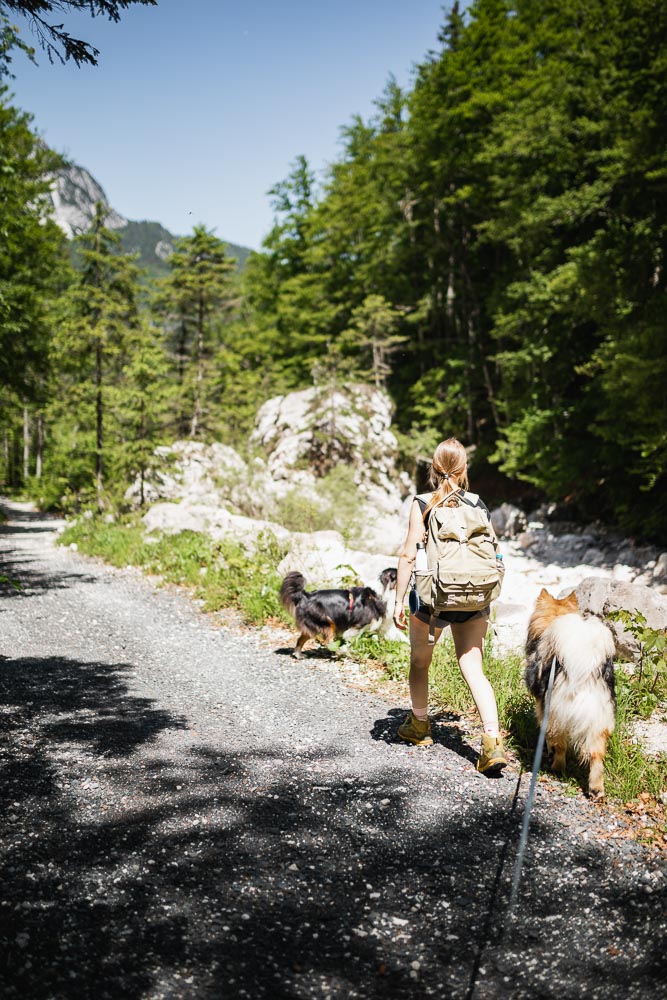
<point>599,597</point>
<point>190,471</point>
<point>74,194</point>
<point>302,441</point>
<point>307,434</point>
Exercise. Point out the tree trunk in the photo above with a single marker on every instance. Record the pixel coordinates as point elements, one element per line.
<point>490,393</point>
<point>199,382</point>
<point>99,410</point>
<point>40,446</point>
<point>377,363</point>
<point>469,380</point>
<point>181,359</point>
<point>142,432</point>
<point>26,444</point>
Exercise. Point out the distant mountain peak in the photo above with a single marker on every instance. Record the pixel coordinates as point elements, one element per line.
<point>74,194</point>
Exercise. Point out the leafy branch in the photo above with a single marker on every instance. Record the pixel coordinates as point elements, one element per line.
<point>652,645</point>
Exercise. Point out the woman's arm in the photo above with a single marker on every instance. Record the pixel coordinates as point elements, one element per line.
<point>406,561</point>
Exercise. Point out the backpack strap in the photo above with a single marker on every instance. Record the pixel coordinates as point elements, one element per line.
<point>471,499</point>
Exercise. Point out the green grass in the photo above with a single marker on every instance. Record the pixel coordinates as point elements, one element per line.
<point>222,574</point>
<point>336,507</point>
<point>629,771</point>
<point>225,575</point>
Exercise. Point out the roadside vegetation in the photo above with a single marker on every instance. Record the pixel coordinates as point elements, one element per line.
<point>223,575</point>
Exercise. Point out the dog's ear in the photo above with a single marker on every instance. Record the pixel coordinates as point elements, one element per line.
<point>369,598</point>
<point>388,578</point>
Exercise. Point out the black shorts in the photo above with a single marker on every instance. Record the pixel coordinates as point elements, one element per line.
<point>449,617</point>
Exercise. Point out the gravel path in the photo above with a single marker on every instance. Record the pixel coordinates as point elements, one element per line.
<point>191,813</point>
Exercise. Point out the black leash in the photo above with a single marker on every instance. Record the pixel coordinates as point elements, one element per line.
<point>488,923</point>
<point>518,865</point>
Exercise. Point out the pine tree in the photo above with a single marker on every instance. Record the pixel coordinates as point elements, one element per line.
<point>195,301</point>
<point>141,404</point>
<point>101,312</point>
<point>53,38</point>
<point>33,269</point>
<point>372,337</point>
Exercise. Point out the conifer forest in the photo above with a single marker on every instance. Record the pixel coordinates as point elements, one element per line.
<point>489,247</point>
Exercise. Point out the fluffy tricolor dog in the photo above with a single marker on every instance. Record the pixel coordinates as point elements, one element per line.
<point>330,614</point>
<point>583,703</point>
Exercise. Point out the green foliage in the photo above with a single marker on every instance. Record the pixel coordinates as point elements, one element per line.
<point>646,689</point>
<point>53,38</point>
<point>221,574</point>
<point>194,302</point>
<point>629,771</point>
<point>9,41</point>
<point>92,341</point>
<point>247,581</point>
<point>33,271</point>
<point>335,507</point>
<point>142,405</point>
<point>32,262</point>
<point>371,338</point>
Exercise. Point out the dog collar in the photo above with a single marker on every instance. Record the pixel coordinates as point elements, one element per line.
<point>351,600</point>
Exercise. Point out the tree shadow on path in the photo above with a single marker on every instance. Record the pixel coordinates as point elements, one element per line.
<point>28,572</point>
<point>138,862</point>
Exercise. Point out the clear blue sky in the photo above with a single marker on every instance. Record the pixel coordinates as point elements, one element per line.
<point>198,107</point>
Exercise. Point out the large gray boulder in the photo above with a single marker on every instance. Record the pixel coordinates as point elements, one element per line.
<point>305,435</point>
<point>218,523</point>
<point>190,470</point>
<point>508,521</point>
<point>599,596</point>
<point>322,427</point>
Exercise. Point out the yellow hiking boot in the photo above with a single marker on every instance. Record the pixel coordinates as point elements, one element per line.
<point>492,758</point>
<point>415,731</point>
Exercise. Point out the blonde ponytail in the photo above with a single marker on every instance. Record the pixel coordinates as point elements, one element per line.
<point>449,459</point>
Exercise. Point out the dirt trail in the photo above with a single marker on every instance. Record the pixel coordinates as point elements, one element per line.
<point>191,813</point>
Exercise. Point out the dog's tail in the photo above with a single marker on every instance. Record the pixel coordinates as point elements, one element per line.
<point>292,590</point>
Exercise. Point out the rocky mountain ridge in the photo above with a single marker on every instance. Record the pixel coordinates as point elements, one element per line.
<point>74,194</point>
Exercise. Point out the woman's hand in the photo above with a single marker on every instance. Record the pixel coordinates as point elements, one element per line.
<point>399,616</point>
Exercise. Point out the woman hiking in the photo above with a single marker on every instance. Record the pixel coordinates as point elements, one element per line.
<point>448,476</point>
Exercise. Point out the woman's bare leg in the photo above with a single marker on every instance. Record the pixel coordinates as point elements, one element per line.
<point>421,654</point>
<point>468,643</point>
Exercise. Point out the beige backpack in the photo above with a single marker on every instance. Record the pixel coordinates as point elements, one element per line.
<point>463,573</point>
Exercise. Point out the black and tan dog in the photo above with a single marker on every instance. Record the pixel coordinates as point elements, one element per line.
<point>583,703</point>
<point>331,614</point>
